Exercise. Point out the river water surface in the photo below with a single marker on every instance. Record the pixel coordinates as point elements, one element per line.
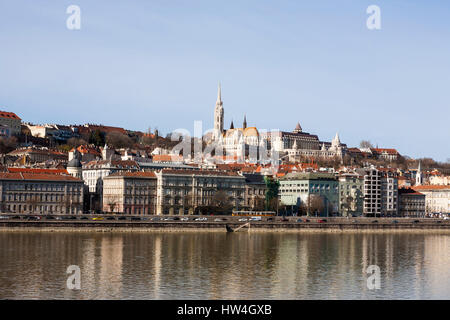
<point>215,265</point>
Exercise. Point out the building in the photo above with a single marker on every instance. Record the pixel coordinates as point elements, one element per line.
<point>380,192</point>
<point>351,197</point>
<point>130,193</point>
<point>385,154</point>
<point>36,155</point>
<point>313,192</point>
<point>336,149</point>
<point>11,121</point>
<point>411,203</point>
<point>437,198</point>
<point>182,192</point>
<point>93,173</point>
<point>40,193</point>
<point>255,191</point>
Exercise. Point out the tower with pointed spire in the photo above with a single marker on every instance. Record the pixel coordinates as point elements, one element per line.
<point>244,124</point>
<point>218,115</point>
<point>298,128</point>
<point>419,177</point>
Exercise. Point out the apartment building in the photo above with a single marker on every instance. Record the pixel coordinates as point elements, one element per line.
<point>130,193</point>
<point>31,193</point>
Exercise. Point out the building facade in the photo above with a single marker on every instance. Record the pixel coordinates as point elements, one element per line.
<point>351,198</point>
<point>27,193</point>
<point>183,192</point>
<point>314,191</point>
<point>437,198</point>
<point>380,192</point>
<point>11,121</point>
<point>130,193</point>
<point>411,203</point>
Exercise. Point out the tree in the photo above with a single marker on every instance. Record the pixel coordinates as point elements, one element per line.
<point>364,144</point>
<point>97,137</point>
<point>112,203</point>
<point>76,142</point>
<point>119,140</point>
<point>314,204</point>
<point>7,144</point>
<point>221,203</point>
<point>273,187</point>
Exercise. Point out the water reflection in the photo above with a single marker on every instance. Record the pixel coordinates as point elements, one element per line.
<point>224,266</point>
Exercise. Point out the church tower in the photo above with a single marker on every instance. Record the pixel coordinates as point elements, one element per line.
<point>419,177</point>
<point>218,115</point>
<point>244,124</point>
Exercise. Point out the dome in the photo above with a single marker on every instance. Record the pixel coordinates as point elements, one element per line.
<point>74,163</point>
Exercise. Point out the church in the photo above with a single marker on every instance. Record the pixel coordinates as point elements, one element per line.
<point>296,144</point>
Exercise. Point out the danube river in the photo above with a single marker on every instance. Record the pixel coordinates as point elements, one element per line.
<point>217,265</point>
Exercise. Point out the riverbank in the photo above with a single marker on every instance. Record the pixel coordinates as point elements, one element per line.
<point>175,226</point>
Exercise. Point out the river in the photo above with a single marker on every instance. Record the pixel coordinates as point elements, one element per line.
<point>217,265</point>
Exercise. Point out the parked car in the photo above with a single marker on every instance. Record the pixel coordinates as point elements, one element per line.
<point>255,219</point>
<point>269,219</point>
<point>374,221</point>
<point>135,219</point>
<point>169,219</point>
<point>70,218</point>
<point>184,219</point>
<point>299,220</point>
<point>155,219</point>
<point>33,218</point>
<point>284,219</point>
<point>218,219</point>
<point>446,218</point>
<point>322,220</point>
<point>110,218</point>
<point>49,217</point>
<point>243,219</point>
<point>84,218</point>
<point>122,218</point>
<point>201,219</point>
<point>416,221</point>
<point>98,219</point>
<point>4,217</point>
<point>394,221</point>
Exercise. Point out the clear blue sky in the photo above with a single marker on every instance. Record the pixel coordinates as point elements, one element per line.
<point>140,64</point>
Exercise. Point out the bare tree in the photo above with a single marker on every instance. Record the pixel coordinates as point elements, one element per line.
<point>365,144</point>
<point>314,204</point>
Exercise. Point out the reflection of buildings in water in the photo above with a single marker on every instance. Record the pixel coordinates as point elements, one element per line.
<point>291,258</point>
<point>110,269</point>
<point>157,266</point>
<point>87,267</point>
<point>437,260</point>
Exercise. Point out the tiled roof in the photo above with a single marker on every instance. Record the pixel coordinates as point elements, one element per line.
<point>383,150</point>
<point>201,172</point>
<point>39,176</point>
<point>38,170</point>
<point>167,158</point>
<point>8,115</point>
<point>137,174</point>
<point>431,187</point>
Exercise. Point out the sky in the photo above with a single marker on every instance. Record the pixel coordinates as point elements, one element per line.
<point>157,64</point>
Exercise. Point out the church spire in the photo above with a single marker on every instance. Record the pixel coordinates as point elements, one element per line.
<point>231,125</point>
<point>219,94</point>
<point>244,124</point>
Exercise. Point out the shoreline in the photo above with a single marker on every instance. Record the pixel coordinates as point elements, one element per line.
<point>167,227</point>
